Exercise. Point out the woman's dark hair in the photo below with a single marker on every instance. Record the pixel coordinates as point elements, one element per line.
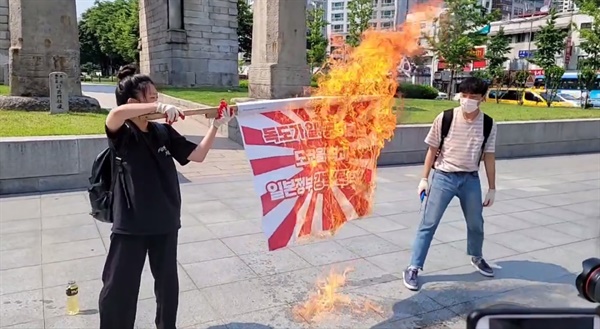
<point>131,84</point>
<point>473,86</point>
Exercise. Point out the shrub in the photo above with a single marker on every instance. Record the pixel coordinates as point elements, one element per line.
<point>244,83</point>
<point>408,90</point>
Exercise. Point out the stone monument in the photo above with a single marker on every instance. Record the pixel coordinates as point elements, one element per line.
<point>59,94</point>
<point>4,42</point>
<point>278,68</point>
<point>192,47</point>
<point>44,39</point>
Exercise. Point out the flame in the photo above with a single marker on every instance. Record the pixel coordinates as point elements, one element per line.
<point>357,120</point>
<point>354,105</point>
<point>327,298</point>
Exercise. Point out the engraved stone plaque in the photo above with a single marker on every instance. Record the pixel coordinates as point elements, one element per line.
<point>59,95</point>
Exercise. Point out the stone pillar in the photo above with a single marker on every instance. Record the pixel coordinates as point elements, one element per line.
<point>278,68</point>
<point>4,40</point>
<point>203,53</point>
<point>44,39</point>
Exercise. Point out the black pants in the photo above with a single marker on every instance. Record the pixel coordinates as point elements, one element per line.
<point>122,276</point>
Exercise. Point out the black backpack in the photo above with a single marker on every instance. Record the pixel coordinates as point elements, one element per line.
<point>106,170</point>
<point>488,123</point>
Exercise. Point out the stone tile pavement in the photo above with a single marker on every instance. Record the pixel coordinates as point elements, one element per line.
<point>544,223</point>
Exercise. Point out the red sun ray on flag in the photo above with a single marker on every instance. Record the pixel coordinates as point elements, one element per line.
<point>314,159</point>
<point>291,157</point>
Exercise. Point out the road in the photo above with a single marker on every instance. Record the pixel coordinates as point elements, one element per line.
<point>544,223</point>
<point>105,94</point>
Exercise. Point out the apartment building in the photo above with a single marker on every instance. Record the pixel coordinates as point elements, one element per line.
<point>564,5</point>
<point>387,14</point>
<point>522,34</point>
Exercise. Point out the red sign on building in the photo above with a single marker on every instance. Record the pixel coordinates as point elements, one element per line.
<point>480,63</point>
<point>537,72</point>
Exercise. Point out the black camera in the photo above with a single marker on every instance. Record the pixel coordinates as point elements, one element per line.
<point>588,282</point>
<point>588,286</point>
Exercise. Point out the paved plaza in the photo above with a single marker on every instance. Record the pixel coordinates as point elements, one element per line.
<point>544,223</point>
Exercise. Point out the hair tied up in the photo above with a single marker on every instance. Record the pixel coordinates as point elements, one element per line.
<point>126,71</point>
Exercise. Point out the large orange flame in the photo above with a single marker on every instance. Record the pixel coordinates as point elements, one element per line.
<point>354,103</point>
<point>356,122</point>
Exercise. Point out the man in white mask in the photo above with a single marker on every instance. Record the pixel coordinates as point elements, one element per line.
<point>457,141</point>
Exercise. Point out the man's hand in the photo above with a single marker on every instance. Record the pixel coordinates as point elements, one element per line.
<point>423,186</point>
<point>224,115</point>
<point>172,113</point>
<point>489,198</point>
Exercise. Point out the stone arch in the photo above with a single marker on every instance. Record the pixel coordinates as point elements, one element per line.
<point>183,43</point>
<point>189,42</point>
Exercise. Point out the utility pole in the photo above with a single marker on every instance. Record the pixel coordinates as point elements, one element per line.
<point>531,18</point>
<point>433,58</point>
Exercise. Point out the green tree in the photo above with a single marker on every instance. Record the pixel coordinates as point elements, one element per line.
<point>590,44</point>
<point>550,42</point>
<point>552,76</point>
<point>89,48</point>
<point>587,80</point>
<point>317,42</point>
<point>115,25</point>
<point>498,47</point>
<point>482,74</point>
<point>359,15</point>
<point>587,6</point>
<point>459,33</point>
<point>521,81</point>
<point>244,28</point>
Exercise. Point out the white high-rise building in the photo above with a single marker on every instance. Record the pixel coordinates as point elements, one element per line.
<point>564,5</point>
<point>387,14</point>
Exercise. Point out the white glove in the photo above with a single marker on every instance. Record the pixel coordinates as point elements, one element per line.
<point>423,186</point>
<point>224,115</point>
<point>489,198</point>
<point>172,113</point>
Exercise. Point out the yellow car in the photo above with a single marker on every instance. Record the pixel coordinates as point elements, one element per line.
<point>529,97</point>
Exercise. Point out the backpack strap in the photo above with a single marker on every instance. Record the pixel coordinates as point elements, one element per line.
<point>447,118</point>
<point>488,124</point>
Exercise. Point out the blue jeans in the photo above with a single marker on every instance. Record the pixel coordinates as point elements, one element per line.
<point>443,188</point>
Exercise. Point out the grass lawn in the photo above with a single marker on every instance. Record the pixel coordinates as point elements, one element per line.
<point>413,110</point>
<point>424,111</point>
<point>206,96</point>
<point>102,81</point>
<point>20,123</point>
<point>4,90</point>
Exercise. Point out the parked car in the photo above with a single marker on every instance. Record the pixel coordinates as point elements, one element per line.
<point>529,97</point>
<point>442,95</point>
<point>562,97</point>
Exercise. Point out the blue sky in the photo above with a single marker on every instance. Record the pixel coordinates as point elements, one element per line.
<point>83,5</point>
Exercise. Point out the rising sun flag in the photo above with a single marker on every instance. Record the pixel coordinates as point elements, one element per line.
<point>314,159</point>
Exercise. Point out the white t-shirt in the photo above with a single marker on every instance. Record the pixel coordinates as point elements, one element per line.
<point>462,147</point>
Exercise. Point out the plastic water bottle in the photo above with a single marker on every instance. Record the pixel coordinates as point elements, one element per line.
<point>72,298</point>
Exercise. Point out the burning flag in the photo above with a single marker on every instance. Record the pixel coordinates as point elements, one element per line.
<point>314,159</point>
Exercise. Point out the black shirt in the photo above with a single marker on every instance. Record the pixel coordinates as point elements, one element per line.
<point>147,199</point>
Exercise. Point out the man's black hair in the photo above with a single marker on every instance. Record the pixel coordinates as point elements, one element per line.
<point>473,86</point>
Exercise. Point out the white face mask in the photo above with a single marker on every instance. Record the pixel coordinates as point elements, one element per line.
<point>469,105</point>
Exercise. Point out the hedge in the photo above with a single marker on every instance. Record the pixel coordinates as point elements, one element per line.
<point>408,90</point>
